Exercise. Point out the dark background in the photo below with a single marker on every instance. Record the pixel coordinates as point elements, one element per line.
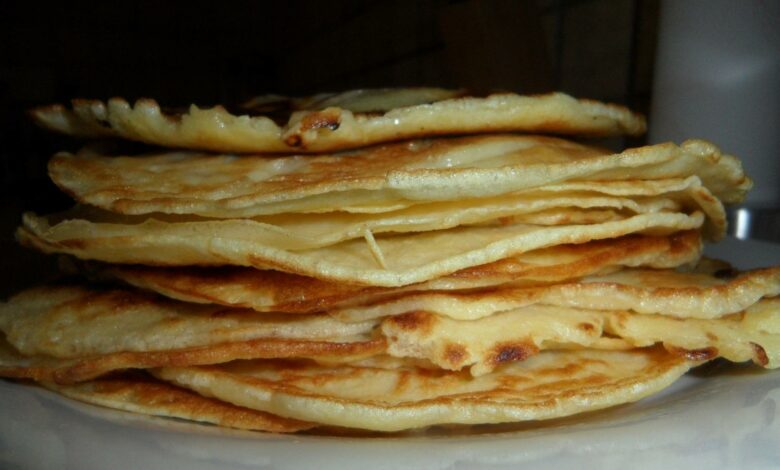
<point>224,52</point>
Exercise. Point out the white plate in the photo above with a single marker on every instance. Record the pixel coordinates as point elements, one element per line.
<point>721,418</point>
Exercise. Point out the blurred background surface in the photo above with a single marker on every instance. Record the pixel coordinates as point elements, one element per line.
<point>717,77</point>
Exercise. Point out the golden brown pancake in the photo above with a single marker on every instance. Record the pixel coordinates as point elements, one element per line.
<point>226,186</point>
<point>446,280</point>
<point>72,333</point>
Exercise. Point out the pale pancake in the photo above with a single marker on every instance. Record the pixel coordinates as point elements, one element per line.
<point>516,335</point>
<point>564,204</point>
<point>550,385</point>
<point>306,231</point>
<point>336,126</point>
<point>389,261</point>
<point>267,290</point>
<point>299,232</point>
<point>142,394</point>
<point>411,172</point>
<point>751,335</point>
<point>664,292</point>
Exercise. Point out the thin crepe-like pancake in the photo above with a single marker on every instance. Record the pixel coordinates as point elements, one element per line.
<point>516,335</point>
<point>751,335</point>
<point>145,395</point>
<point>73,321</point>
<point>389,261</point>
<point>78,369</point>
<point>482,344</point>
<point>267,290</point>
<point>306,231</point>
<point>418,171</point>
<point>665,292</point>
<point>550,385</point>
<point>71,333</point>
<point>335,127</point>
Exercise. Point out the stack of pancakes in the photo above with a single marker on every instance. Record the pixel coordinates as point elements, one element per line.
<point>383,260</point>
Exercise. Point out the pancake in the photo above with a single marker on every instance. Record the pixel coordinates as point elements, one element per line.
<point>550,385</point>
<point>300,232</point>
<point>393,115</point>
<point>390,261</point>
<point>579,206</point>
<point>226,186</point>
<point>78,369</point>
<point>338,275</point>
<point>268,290</point>
<point>142,394</point>
<point>72,321</point>
<point>72,333</point>
<point>516,335</point>
<point>664,292</point>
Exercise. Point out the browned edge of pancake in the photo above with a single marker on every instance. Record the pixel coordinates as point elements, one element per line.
<point>66,371</point>
<point>141,393</point>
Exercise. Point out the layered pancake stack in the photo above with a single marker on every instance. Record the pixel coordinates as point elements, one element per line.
<point>384,260</point>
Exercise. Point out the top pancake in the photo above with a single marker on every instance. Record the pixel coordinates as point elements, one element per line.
<point>330,122</point>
